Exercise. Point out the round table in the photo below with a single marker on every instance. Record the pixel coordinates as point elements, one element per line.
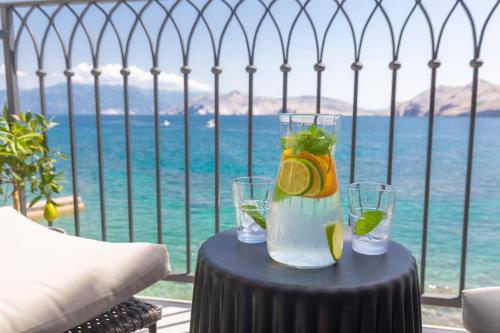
<point>238,288</point>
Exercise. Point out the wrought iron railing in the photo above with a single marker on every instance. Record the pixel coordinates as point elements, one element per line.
<point>15,18</point>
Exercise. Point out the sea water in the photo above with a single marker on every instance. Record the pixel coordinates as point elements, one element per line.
<point>296,230</point>
<point>446,200</point>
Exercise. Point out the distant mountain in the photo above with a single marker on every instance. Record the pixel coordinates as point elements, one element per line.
<point>140,100</point>
<point>236,103</point>
<point>454,101</point>
<point>450,101</point>
<point>171,102</point>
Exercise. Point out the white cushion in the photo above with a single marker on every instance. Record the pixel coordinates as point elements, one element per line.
<point>50,282</point>
<point>481,310</point>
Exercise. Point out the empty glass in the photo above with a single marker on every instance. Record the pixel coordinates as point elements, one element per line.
<point>252,199</point>
<point>371,206</point>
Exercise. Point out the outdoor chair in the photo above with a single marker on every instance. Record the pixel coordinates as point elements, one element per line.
<point>481,310</point>
<point>51,282</point>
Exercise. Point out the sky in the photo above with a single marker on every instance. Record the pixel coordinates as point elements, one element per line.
<point>455,52</point>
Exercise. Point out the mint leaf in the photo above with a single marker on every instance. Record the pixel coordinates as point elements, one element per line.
<point>313,140</point>
<point>251,210</point>
<point>368,221</point>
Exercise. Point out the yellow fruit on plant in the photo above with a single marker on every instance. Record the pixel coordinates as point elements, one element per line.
<point>50,212</point>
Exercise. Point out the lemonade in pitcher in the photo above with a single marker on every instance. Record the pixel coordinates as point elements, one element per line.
<point>305,223</point>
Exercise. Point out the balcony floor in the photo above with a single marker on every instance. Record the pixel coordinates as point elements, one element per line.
<point>176,315</point>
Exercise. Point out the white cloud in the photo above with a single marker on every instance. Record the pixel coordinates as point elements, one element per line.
<point>138,77</point>
<point>2,71</point>
<point>112,112</point>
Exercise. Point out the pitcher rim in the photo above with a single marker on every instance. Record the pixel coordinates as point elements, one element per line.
<point>333,117</point>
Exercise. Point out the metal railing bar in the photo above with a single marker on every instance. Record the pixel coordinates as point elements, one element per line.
<point>23,20</point>
<point>50,25</point>
<point>363,31</point>
<point>313,27</point>
<point>216,71</point>
<point>11,73</point>
<point>445,22</point>
<point>74,179</point>
<point>125,72</point>
<point>187,198</point>
<point>138,19</point>
<point>285,68</point>
<point>96,72</point>
<point>79,22</point>
<point>403,27</point>
<point>356,67</point>
<point>155,71</point>
<point>180,277</point>
<point>433,64</point>
<point>44,3</point>
<point>14,22</point>
<point>328,26</point>
<point>9,60</point>
<point>41,85</point>
<point>475,64</point>
<point>195,24</point>
<point>251,69</point>
<point>319,68</point>
<point>168,16</point>
<point>394,66</point>
<point>441,300</point>
<point>292,27</point>
<point>41,88</point>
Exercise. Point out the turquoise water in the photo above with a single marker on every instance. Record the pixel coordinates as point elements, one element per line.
<point>447,185</point>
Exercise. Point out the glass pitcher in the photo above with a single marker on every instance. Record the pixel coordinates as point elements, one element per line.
<point>306,196</point>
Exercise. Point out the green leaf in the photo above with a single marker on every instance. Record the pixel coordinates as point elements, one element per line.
<point>25,158</point>
<point>313,140</point>
<point>368,221</point>
<point>251,210</point>
<point>61,155</point>
<point>35,200</point>
<point>5,111</point>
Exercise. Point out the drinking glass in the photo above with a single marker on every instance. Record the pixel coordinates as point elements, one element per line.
<point>371,206</point>
<point>252,199</point>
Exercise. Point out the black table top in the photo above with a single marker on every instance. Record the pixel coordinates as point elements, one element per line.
<point>252,263</point>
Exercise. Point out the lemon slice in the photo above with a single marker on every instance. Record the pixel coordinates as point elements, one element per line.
<point>295,176</point>
<point>335,238</point>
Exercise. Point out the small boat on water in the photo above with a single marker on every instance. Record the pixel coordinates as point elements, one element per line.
<point>166,123</point>
<point>211,123</point>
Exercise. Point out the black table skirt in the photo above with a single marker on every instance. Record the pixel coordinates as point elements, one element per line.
<point>240,289</point>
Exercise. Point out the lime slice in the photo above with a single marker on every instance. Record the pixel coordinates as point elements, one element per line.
<point>368,221</point>
<point>295,176</point>
<point>251,210</point>
<point>335,238</point>
<point>317,184</point>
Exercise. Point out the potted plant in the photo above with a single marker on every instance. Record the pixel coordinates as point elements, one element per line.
<point>26,161</point>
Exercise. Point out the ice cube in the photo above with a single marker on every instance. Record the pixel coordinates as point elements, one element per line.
<point>255,227</point>
<point>246,220</point>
